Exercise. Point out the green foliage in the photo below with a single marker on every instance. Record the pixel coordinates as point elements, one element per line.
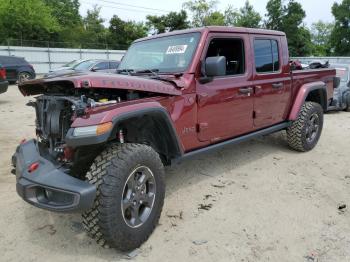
<point>65,11</point>
<point>320,35</point>
<point>340,37</point>
<point>123,33</point>
<point>166,23</point>
<point>215,18</point>
<point>26,20</point>
<point>289,19</point>
<point>245,17</point>
<point>275,13</point>
<point>203,12</point>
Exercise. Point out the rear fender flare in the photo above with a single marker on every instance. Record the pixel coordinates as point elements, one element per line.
<point>303,93</point>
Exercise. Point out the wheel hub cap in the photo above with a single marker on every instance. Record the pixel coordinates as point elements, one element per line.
<point>138,196</point>
<point>312,127</point>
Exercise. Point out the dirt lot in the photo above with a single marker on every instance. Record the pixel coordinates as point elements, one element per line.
<point>258,201</point>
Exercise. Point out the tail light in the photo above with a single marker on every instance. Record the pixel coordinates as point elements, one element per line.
<point>2,73</point>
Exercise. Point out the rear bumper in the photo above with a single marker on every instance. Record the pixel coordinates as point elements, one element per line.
<point>48,187</point>
<point>3,86</point>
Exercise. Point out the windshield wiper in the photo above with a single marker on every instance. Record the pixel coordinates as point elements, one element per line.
<point>128,71</point>
<point>145,71</point>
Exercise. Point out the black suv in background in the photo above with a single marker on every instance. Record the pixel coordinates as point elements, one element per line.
<point>17,69</point>
<point>3,83</point>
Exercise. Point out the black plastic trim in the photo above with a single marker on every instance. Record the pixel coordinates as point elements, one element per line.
<point>49,176</point>
<point>234,141</point>
<point>111,135</point>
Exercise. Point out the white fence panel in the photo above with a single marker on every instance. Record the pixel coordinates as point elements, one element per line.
<point>43,59</point>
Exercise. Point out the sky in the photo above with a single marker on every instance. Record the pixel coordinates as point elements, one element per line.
<point>137,10</point>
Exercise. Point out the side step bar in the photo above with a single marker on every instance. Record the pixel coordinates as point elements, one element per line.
<point>237,140</point>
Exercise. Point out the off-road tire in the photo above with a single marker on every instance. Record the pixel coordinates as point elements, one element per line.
<point>109,172</point>
<point>296,133</point>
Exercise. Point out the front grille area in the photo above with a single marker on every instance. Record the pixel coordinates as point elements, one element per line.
<point>53,119</point>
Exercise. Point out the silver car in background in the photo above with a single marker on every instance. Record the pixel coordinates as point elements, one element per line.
<point>341,95</point>
<point>81,66</point>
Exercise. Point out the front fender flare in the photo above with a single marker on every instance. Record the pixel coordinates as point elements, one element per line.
<point>303,93</point>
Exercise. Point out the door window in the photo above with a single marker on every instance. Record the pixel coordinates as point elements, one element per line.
<point>266,56</point>
<point>102,66</point>
<point>233,50</point>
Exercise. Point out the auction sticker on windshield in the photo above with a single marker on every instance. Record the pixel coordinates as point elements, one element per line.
<point>176,49</point>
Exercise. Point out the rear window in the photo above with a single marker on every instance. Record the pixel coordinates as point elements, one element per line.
<point>114,65</point>
<point>266,56</point>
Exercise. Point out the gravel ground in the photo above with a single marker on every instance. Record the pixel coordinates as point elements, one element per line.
<point>258,201</point>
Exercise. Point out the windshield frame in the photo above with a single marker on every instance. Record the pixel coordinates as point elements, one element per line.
<point>153,38</point>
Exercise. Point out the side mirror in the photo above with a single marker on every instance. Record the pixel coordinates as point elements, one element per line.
<point>94,69</point>
<point>215,66</point>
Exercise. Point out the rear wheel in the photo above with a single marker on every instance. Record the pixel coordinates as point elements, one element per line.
<point>130,193</point>
<point>305,131</point>
<point>24,76</point>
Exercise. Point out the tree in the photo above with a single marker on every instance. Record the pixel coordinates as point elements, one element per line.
<point>215,18</point>
<point>166,23</point>
<point>245,17</point>
<point>30,20</point>
<point>340,37</point>
<point>320,35</point>
<point>67,14</point>
<point>289,18</point>
<point>65,11</point>
<point>274,15</point>
<point>203,12</point>
<point>95,34</point>
<point>123,33</point>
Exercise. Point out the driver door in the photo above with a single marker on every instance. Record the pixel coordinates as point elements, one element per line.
<point>225,105</point>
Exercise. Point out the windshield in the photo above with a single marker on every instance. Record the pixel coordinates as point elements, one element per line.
<point>84,65</point>
<point>343,73</point>
<point>170,54</point>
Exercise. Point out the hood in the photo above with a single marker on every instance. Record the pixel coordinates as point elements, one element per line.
<point>100,80</point>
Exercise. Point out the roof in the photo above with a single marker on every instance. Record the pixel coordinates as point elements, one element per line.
<point>217,29</point>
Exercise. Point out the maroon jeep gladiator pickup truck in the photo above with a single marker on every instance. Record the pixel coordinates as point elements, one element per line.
<point>103,139</point>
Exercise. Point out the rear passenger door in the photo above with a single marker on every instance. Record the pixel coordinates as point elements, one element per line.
<point>271,83</point>
<point>225,105</point>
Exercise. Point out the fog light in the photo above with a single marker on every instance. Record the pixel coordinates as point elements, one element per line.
<point>33,167</point>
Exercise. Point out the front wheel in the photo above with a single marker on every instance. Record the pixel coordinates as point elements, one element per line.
<point>306,130</point>
<point>129,179</point>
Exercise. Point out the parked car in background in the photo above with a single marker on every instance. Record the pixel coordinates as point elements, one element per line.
<point>17,69</point>
<point>341,95</point>
<point>3,83</point>
<point>93,65</point>
<point>67,66</point>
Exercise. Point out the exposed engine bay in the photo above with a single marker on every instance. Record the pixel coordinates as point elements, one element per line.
<point>59,106</point>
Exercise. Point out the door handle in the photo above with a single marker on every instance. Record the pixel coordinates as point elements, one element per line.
<point>277,85</point>
<point>246,91</point>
